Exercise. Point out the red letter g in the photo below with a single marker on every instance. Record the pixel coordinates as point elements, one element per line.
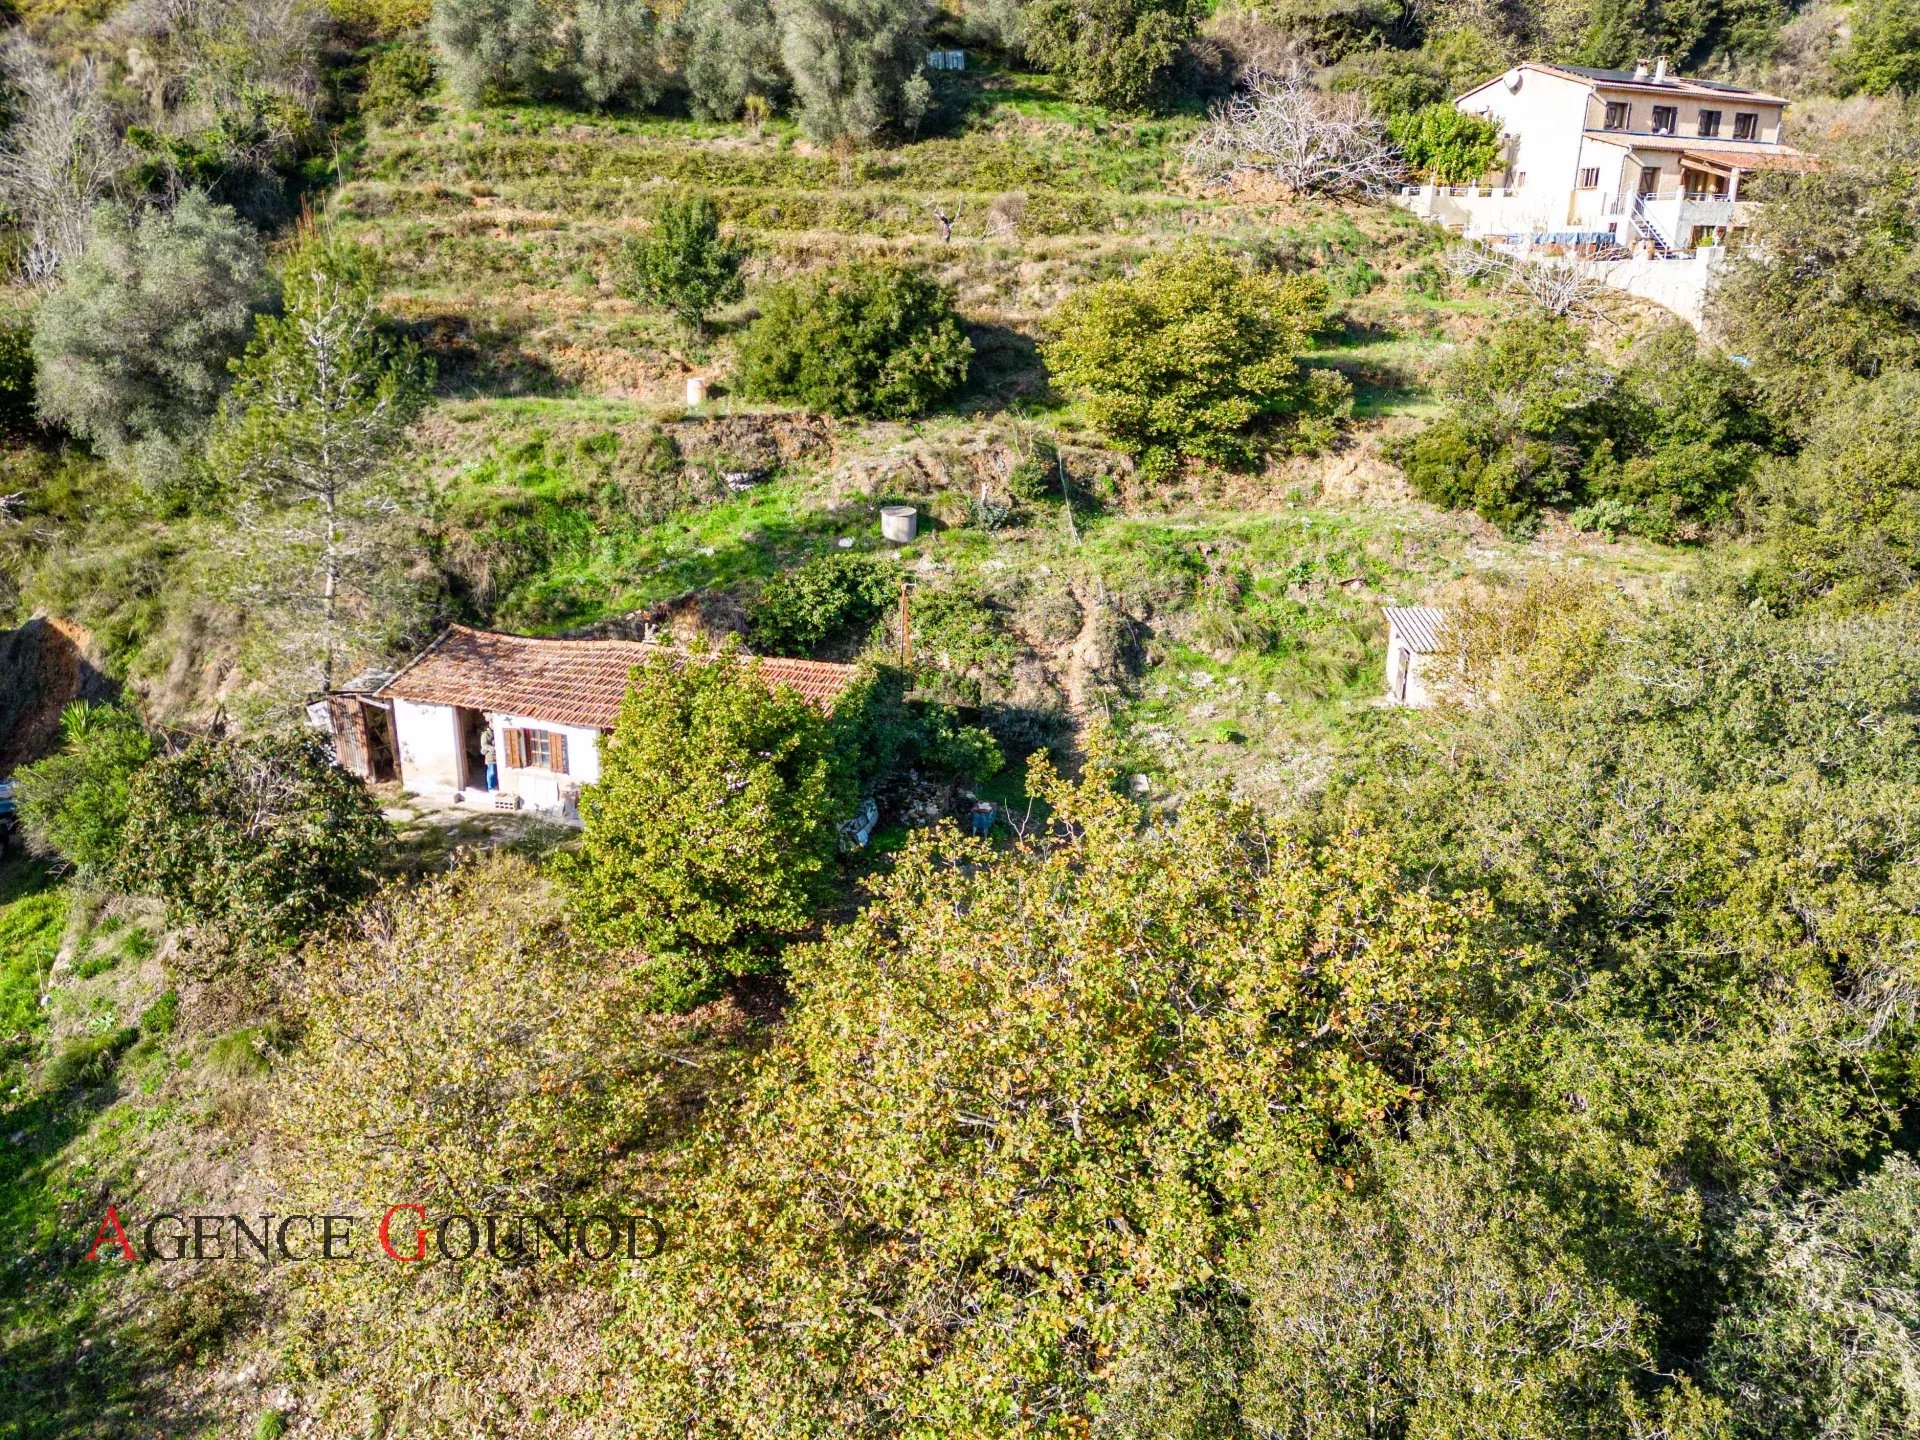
<point>419,1236</point>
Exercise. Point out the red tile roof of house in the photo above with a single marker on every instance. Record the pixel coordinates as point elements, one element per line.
<point>567,682</point>
<point>1774,157</point>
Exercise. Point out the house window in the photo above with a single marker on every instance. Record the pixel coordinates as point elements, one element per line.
<point>1666,118</point>
<point>1618,114</point>
<point>1709,122</point>
<point>537,750</point>
<point>1746,126</point>
<point>1590,179</point>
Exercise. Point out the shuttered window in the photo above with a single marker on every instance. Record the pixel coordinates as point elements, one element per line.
<point>537,750</point>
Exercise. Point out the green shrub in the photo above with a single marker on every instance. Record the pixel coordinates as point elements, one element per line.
<point>711,836</point>
<point>881,734</point>
<point>1883,56</point>
<point>1198,355</point>
<point>399,79</point>
<point>160,1018</point>
<point>684,267</point>
<point>1823,1337</point>
<point>867,339</point>
<point>835,595</point>
<point>1445,146</point>
<point>962,650</point>
<point>1116,53</point>
<point>74,803</point>
<point>17,414</point>
<point>256,841</point>
<point>1535,418</point>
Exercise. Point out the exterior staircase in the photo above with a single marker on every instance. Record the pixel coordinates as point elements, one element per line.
<point>1648,231</point>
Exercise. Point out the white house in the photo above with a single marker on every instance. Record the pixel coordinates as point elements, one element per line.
<point>1615,165</point>
<point>543,704</point>
<point>1413,639</point>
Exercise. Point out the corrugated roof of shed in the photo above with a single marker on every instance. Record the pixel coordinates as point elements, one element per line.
<point>1419,626</point>
<point>567,682</point>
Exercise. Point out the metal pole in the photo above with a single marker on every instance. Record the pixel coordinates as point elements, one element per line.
<point>1066,496</point>
<point>906,630</point>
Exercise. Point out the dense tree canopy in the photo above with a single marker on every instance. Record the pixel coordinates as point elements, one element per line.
<point>1828,285</point>
<point>1117,53</point>
<point>1536,416</point>
<point>1029,1091</point>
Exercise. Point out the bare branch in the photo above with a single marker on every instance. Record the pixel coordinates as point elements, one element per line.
<point>1556,289</point>
<point>62,156</point>
<point>1278,125</point>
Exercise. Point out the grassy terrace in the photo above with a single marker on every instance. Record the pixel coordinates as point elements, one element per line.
<point>1227,623</point>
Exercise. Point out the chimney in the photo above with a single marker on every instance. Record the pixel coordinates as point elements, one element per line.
<point>1639,69</point>
<point>1660,68</point>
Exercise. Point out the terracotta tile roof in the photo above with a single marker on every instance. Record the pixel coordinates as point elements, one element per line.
<point>568,682</point>
<point>1774,157</point>
<point>1419,626</point>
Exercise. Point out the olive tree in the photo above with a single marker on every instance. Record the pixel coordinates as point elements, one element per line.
<point>135,347</point>
<point>489,48</point>
<point>732,50</point>
<point>858,66</point>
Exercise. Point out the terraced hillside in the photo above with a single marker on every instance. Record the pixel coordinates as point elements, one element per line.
<point>1224,621</point>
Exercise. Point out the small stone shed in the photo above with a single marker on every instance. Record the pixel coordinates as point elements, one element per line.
<point>1413,639</point>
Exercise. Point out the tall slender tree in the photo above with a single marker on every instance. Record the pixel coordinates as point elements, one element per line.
<point>306,440</point>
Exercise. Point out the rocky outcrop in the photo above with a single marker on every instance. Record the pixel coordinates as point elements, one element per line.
<point>44,667</point>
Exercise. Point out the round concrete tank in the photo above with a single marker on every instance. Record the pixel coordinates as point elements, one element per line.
<point>899,523</point>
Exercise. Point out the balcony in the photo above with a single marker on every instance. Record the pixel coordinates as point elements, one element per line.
<point>1705,208</point>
